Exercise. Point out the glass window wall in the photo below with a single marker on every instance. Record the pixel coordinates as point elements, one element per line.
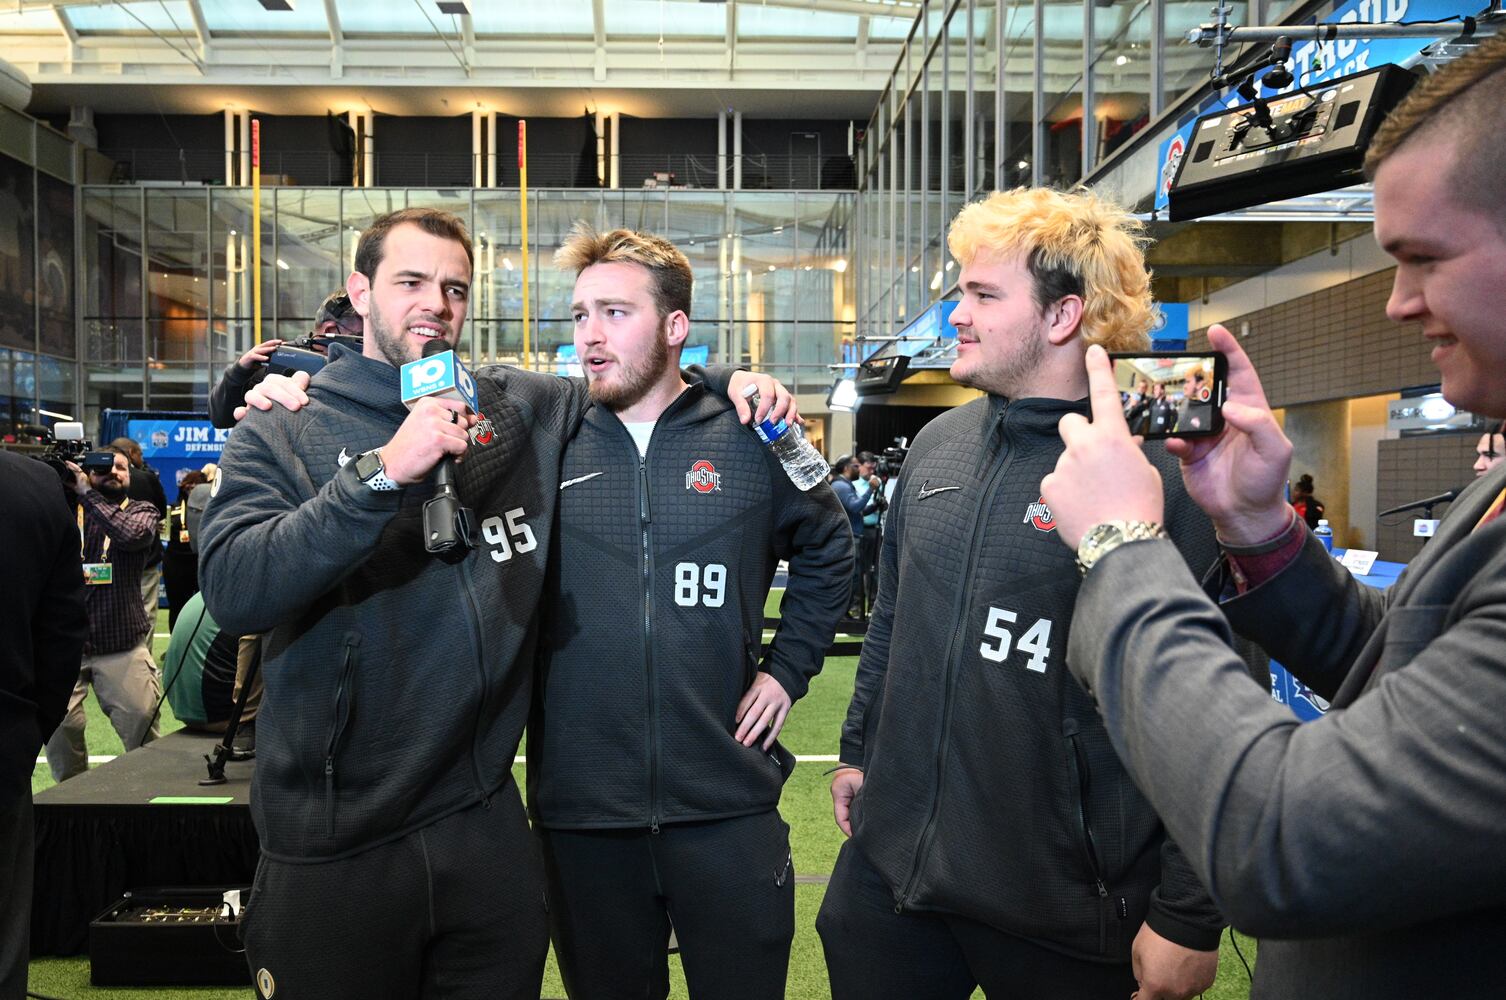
<point>170,300</point>
<point>1120,74</point>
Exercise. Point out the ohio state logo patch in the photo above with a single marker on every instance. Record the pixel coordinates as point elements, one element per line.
<point>703,478</point>
<point>1039,514</point>
<point>482,432</point>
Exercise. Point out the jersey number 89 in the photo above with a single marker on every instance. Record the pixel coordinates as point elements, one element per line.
<point>694,585</point>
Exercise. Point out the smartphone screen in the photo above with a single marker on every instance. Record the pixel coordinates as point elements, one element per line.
<point>1172,394</point>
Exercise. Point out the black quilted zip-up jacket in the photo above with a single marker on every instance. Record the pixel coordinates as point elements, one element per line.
<point>655,612</point>
<point>990,788</point>
<point>397,686</point>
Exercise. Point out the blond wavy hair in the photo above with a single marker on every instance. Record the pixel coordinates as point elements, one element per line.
<point>669,268</point>
<point>1074,243</point>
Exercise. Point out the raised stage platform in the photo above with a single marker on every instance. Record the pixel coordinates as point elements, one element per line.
<point>140,820</point>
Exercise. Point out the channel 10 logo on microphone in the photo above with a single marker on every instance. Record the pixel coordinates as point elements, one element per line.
<point>439,375</point>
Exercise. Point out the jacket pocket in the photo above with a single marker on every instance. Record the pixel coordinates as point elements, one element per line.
<point>750,659</point>
<point>1077,767</point>
<point>783,761</point>
<point>341,712</point>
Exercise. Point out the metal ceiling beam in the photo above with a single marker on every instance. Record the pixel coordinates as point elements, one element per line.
<point>200,27</point>
<point>69,32</point>
<point>731,39</point>
<point>905,9</point>
<point>548,63</point>
<point>336,39</point>
<point>186,54</point>
<point>599,39</point>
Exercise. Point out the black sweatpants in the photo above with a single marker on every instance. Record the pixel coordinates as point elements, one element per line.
<point>453,910</point>
<point>727,885</point>
<point>873,953</point>
<point>16,837</point>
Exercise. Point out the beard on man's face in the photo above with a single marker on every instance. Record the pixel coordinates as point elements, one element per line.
<point>111,490</point>
<point>391,342</point>
<point>633,379</point>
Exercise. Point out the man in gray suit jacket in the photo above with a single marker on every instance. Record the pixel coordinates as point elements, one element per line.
<point>1368,848</point>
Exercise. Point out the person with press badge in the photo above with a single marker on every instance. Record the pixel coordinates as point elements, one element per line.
<point>114,536</point>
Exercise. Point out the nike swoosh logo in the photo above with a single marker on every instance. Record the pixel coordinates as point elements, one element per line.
<point>579,479</point>
<point>343,458</point>
<point>926,494</point>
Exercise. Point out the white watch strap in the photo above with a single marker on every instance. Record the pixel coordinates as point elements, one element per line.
<point>382,484</point>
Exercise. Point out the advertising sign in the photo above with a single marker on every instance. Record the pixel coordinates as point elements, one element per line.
<point>173,447</point>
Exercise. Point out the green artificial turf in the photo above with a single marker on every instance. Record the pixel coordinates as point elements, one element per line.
<point>813,729</point>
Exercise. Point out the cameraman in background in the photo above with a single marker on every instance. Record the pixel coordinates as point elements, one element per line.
<point>335,319</point>
<point>869,483</point>
<point>116,533</point>
<point>146,487</point>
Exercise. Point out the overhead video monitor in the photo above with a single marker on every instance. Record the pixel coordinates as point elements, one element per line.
<point>1285,146</point>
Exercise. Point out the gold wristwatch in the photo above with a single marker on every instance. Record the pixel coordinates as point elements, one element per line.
<point>1104,538</point>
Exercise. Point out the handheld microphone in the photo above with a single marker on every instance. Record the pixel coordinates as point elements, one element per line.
<point>449,526</point>
<point>1430,501</point>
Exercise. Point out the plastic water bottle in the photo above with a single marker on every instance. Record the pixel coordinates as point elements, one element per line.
<point>802,462</point>
<point>1324,533</point>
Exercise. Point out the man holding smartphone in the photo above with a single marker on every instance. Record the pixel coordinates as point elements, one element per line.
<point>995,838</point>
<point>1364,847</point>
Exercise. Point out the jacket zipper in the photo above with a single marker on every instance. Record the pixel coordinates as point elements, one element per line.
<point>645,525</point>
<point>644,521</point>
<point>923,846</point>
<point>1078,762</point>
<point>341,711</point>
<point>475,623</point>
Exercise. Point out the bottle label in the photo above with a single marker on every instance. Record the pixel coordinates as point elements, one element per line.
<point>769,431</point>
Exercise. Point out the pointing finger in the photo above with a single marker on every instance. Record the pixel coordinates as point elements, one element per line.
<point>1103,394</point>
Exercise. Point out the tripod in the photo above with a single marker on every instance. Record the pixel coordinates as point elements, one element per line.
<point>225,749</point>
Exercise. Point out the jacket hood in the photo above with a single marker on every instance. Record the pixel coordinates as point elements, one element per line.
<point>353,376</point>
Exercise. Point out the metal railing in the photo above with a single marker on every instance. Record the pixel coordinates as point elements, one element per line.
<point>315,168</point>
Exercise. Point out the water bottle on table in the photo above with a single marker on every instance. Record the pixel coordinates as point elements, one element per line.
<point>802,462</point>
<point>1324,533</point>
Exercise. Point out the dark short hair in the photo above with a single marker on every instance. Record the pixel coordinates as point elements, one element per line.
<point>128,447</point>
<point>370,249</point>
<point>867,458</point>
<point>190,479</point>
<point>335,307</point>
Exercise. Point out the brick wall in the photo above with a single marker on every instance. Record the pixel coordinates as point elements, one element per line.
<point>1413,468</point>
<point>1333,344</point>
